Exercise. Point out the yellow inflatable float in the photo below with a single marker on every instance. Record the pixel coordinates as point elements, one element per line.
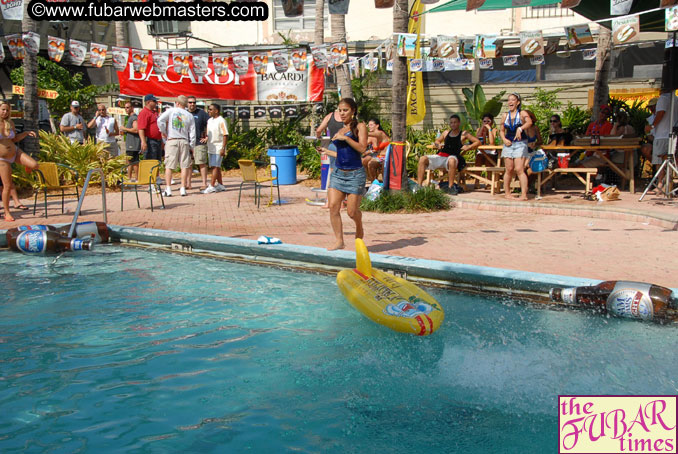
<point>389,300</point>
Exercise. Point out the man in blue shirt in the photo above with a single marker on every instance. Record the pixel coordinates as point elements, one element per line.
<point>200,150</point>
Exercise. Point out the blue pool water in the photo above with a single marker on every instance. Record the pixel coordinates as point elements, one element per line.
<point>128,350</point>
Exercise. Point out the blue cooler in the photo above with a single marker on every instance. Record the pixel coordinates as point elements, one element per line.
<point>285,158</point>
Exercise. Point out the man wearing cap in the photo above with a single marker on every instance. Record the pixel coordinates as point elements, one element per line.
<point>73,125</point>
<point>178,127</point>
<point>147,124</point>
<point>600,127</point>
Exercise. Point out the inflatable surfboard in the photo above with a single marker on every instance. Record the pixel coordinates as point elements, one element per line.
<point>389,300</point>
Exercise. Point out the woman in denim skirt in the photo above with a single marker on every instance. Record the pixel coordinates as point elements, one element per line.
<point>348,177</point>
<point>515,151</point>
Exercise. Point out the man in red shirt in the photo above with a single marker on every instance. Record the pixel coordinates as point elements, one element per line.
<point>602,127</point>
<point>147,123</point>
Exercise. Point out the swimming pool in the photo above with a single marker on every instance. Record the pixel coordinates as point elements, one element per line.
<point>130,349</point>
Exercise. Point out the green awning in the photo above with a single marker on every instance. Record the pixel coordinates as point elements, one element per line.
<point>457,5</point>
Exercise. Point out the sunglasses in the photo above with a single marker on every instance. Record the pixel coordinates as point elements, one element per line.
<point>191,102</point>
<point>555,121</point>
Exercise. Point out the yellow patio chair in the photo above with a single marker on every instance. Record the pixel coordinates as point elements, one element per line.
<point>49,178</point>
<point>249,175</point>
<point>148,176</point>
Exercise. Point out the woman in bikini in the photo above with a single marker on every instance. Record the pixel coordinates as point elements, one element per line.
<point>10,153</point>
<point>377,141</point>
<point>515,151</point>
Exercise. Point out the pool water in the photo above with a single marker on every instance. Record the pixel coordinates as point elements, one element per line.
<point>141,351</point>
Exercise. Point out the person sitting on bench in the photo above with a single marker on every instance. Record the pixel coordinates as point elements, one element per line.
<point>449,146</point>
<point>377,142</point>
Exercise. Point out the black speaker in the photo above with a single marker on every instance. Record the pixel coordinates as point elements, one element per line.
<point>670,69</point>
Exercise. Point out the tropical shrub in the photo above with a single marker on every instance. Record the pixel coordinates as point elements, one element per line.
<point>544,105</point>
<point>575,119</point>
<point>637,113</point>
<point>477,105</point>
<point>424,200</point>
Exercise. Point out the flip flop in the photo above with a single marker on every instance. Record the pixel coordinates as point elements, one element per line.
<point>22,207</point>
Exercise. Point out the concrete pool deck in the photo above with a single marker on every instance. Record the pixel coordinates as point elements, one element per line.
<point>558,234</point>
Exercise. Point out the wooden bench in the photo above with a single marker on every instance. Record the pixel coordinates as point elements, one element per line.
<point>492,176</point>
<point>577,171</point>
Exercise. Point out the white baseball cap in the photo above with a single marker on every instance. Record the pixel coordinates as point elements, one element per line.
<point>75,104</point>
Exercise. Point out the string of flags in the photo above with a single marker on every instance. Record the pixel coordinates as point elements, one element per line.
<point>273,111</point>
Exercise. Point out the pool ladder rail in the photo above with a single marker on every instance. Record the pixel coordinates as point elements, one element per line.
<point>71,231</point>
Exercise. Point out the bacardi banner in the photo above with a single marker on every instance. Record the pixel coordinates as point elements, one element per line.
<point>291,85</point>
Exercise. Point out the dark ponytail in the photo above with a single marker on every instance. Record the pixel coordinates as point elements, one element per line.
<point>350,102</point>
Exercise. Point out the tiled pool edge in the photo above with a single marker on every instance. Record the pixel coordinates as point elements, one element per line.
<point>474,277</point>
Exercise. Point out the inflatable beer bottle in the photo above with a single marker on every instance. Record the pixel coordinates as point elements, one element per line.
<point>621,298</point>
<point>95,230</point>
<point>45,241</point>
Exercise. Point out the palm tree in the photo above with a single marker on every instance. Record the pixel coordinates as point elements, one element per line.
<point>601,90</point>
<point>338,24</point>
<point>399,88</point>
<point>31,108</point>
<point>319,36</point>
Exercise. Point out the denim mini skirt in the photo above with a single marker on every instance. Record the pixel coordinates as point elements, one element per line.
<point>349,181</point>
<point>516,150</point>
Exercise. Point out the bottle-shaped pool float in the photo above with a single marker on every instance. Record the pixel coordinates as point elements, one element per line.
<point>97,231</point>
<point>621,298</point>
<point>45,241</point>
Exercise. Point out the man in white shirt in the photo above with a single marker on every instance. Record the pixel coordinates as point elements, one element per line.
<point>107,129</point>
<point>661,128</point>
<point>217,137</point>
<point>177,126</point>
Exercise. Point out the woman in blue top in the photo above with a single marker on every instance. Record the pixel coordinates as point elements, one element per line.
<point>348,178</point>
<point>515,151</point>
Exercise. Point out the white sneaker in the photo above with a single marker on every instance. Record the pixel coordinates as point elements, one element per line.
<point>154,190</point>
<point>167,192</point>
<point>220,187</point>
<point>210,189</point>
<point>182,191</point>
<point>172,181</point>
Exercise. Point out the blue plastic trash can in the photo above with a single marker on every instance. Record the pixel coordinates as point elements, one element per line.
<point>285,158</point>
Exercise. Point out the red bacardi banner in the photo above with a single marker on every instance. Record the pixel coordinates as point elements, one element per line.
<point>291,85</point>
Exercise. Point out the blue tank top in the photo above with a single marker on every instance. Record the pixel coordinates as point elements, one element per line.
<point>347,157</point>
<point>511,127</point>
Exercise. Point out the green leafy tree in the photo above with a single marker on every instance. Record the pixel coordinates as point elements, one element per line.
<point>70,86</point>
<point>545,104</point>
<point>575,119</point>
<point>477,105</point>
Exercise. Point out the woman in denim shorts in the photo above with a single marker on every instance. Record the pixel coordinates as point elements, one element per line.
<point>515,151</point>
<point>348,177</point>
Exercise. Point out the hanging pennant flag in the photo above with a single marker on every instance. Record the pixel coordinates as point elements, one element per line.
<point>293,8</point>
<point>244,112</point>
<point>241,62</point>
<point>319,56</point>
<point>299,59</point>
<point>259,111</point>
<point>229,111</point>
<point>537,60</point>
<point>77,51</point>
<point>55,48</point>
<point>438,64</point>
<point>31,42</point>
<point>416,64</point>
<point>447,47</point>
<point>220,64</point>
<point>2,53</point>
<point>390,52</point>
<point>292,111</point>
<point>12,10</point>
<point>625,29</point>
<point>97,54</point>
<point>620,7</point>
<point>338,6</point>
<point>486,46</point>
<point>467,48</point>
<point>180,61</point>
<point>474,4</point>
<point>16,46</point>
<point>275,111</point>
<point>200,65</point>
<point>569,3</point>
<point>281,60</point>
<point>338,54</point>
<point>589,54</point>
<point>160,62</point>
<point>551,46</point>
<point>416,104</point>
<point>671,19</point>
<point>485,63</point>
<point>531,43</point>
<point>407,42</point>
<point>578,35</point>
<point>139,60</point>
<point>120,57</point>
<point>517,3</point>
<point>510,60</point>
<point>260,62</point>
<point>354,67</point>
